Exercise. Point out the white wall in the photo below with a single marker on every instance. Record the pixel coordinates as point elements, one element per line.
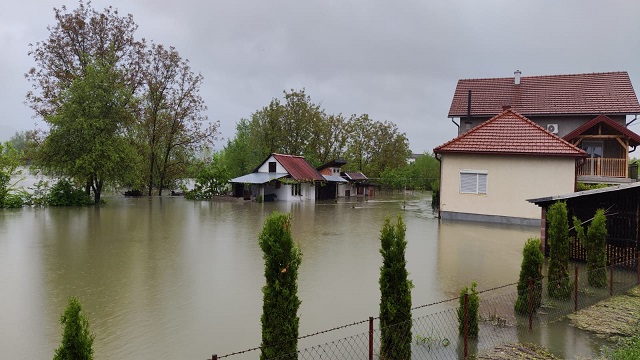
<point>264,168</point>
<point>510,181</point>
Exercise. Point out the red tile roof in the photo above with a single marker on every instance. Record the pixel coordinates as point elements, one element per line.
<point>510,133</point>
<point>298,167</point>
<point>634,139</point>
<point>597,93</point>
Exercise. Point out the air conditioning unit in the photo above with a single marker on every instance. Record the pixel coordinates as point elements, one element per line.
<point>552,128</point>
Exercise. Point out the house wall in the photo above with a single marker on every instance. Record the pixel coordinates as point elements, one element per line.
<point>510,181</point>
<point>566,123</point>
<point>264,168</point>
<point>342,189</point>
<point>283,192</point>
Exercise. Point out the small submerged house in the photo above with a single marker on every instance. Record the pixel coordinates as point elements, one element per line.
<point>292,178</point>
<point>279,177</point>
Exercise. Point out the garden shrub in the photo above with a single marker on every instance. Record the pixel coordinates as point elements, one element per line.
<point>77,339</point>
<point>395,293</point>
<point>559,285</point>
<point>531,269</point>
<point>63,193</point>
<point>595,243</point>
<point>473,305</point>
<point>280,305</point>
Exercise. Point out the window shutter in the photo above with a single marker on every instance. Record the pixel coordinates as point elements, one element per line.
<point>482,183</point>
<point>468,183</point>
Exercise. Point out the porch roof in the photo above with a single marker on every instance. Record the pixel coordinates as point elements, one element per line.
<point>634,139</point>
<point>257,178</point>
<point>334,178</point>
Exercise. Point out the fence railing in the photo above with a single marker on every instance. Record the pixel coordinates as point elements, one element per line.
<point>604,167</point>
<point>437,336</point>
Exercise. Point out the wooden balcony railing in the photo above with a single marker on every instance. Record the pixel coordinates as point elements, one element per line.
<point>603,167</point>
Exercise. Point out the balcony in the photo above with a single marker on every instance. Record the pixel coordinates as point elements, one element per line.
<point>605,167</point>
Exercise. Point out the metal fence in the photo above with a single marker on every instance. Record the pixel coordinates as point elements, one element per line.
<point>437,335</point>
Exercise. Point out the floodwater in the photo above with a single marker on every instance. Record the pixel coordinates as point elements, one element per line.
<point>168,278</point>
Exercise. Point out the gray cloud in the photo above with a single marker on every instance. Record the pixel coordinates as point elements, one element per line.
<point>396,61</point>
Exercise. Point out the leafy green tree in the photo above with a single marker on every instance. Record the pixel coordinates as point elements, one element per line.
<point>212,179</point>
<point>77,339</point>
<point>530,270</point>
<point>559,285</point>
<point>395,293</point>
<point>63,193</point>
<point>595,243</point>
<point>88,138</point>
<point>10,197</point>
<point>280,306</point>
<point>473,305</point>
<point>243,153</point>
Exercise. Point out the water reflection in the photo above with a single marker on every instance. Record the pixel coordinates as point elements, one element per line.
<point>168,278</point>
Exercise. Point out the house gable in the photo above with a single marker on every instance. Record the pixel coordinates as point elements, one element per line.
<point>510,133</point>
<point>603,126</point>
<point>297,167</point>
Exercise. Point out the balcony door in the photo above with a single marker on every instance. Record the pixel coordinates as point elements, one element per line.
<point>594,154</point>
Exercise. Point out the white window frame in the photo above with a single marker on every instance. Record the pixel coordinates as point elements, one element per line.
<point>477,189</point>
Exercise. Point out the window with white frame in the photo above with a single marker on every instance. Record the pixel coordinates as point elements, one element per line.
<point>296,189</point>
<point>473,181</point>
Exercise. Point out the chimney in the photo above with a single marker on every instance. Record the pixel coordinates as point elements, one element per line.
<point>516,77</point>
<point>506,107</point>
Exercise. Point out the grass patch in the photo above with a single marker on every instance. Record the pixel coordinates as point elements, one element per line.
<point>516,352</point>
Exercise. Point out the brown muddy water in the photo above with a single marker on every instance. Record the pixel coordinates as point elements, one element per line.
<point>168,278</point>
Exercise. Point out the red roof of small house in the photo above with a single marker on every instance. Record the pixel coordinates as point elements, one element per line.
<point>634,139</point>
<point>298,167</point>
<point>596,93</point>
<point>355,176</point>
<point>510,133</point>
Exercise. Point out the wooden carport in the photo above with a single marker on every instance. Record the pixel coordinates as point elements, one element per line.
<point>622,205</point>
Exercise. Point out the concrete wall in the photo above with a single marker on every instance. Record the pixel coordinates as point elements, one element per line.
<point>510,181</point>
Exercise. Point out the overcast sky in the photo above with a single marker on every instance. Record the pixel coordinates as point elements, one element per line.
<point>394,60</point>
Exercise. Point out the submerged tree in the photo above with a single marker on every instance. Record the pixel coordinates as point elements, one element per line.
<point>595,242</point>
<point>282,259</point>
<point>559,284</point>
<point>395,293</point>
<point>172,121</point>
<point>77,339</point>
<point>530,271</point>
<point>88,139</point>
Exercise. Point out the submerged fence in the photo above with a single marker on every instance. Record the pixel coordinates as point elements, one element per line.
<point>437,335</point>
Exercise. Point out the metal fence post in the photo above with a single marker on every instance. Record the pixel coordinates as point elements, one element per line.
<point>575,291</point>
<point>370,337</point>
<point>530,304</point>
<point>466,324</point>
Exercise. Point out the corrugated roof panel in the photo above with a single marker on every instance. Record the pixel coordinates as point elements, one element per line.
<point>298,167</point>
<point>257,178</point>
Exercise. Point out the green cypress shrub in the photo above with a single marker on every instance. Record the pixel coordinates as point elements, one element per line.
<point>395,293</point>
<point>473,305</point>
<point>282,259</point>
<point>77,340</point>
<point>595,243</point>
<point>531,269</point>
<point>559,285</point>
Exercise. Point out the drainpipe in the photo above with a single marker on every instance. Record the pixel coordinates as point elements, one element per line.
<point>456,124</point>
<point>439,158</point>
<point>632,121</point>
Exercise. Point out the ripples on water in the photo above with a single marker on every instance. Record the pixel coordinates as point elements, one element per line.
<point>167,278</point>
